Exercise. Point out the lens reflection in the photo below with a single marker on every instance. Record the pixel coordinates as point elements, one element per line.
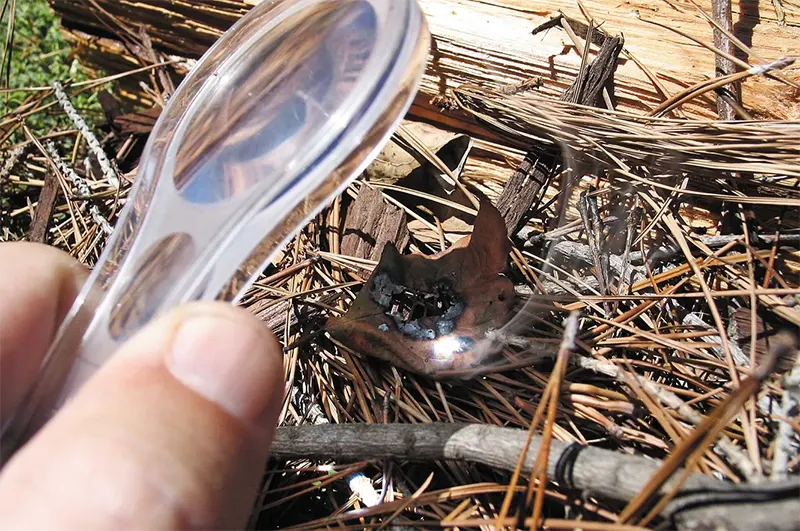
<point>265,113</point>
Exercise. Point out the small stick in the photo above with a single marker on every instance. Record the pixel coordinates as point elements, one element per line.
<point>570,228</point>
<point>633,222</point>
<point>587,206</point>
<point>749,53</point>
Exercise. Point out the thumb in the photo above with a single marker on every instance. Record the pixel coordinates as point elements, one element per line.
<point>172,433</point>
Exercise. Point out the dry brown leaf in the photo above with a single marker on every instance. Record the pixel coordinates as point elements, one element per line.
<point>424,313</point>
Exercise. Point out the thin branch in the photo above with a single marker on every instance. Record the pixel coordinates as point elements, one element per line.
<point>12,159</point>
<point>728,95</point>
<point>596,471</point>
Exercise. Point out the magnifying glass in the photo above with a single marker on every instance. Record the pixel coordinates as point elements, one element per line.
<point>275,120</point>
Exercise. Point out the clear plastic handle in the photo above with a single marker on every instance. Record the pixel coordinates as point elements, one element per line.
<point>277,117</point>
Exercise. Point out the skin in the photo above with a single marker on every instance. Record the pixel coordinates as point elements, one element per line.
<point>172,433</point>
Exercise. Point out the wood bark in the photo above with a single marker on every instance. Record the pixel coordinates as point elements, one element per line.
<point>43,214</point>
<point>536,169</point>
<point>702,500</point>
<point>598,75</point>
<point>524,188</point>
<point>729,94</point>
<point>371,223</point>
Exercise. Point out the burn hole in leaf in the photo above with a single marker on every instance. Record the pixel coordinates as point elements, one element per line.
<point>418,314</point>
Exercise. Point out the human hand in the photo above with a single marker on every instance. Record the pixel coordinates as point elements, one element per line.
<point>172,433</point>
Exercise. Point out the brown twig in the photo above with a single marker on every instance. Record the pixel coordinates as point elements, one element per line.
<point>728,96</point>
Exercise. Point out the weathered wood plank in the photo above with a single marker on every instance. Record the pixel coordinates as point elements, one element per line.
<point>491,42</point>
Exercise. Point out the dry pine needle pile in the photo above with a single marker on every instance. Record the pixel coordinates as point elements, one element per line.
<point>643,369</point>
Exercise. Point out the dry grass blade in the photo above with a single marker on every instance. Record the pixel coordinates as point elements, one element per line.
<point>676,232</point>
<point>707,86</point>
<point>409,137</point>
<point>408,502</point>
<point>663,145</point>
<point>9,8</point>
<point>546,401</point>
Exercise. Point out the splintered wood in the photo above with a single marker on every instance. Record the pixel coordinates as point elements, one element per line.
<point>491,42</point>
<point>593,85</point>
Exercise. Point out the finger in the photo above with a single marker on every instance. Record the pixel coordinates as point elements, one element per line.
<point>172,433</point>
<point>38,284</point>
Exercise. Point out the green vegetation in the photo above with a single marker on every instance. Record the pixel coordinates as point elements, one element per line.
<point>39,56</point>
